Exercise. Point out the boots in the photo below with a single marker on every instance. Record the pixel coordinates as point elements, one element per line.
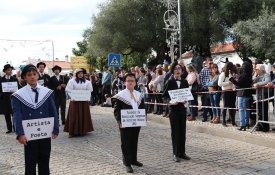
<point>217,120</point>
<point>232,116</point>
<point>223,120</point>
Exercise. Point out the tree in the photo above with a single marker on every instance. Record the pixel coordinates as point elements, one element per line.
<point>258,35</point>
<point>82,48</point>
<point>128,27</point>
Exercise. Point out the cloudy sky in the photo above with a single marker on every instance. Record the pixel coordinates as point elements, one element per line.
<point>60,21</point>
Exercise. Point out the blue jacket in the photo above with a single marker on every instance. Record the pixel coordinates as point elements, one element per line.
<point>23,110</point>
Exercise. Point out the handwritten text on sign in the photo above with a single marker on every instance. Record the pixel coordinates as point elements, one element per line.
<point>38,128</point>
<point>9,87</point>
<point>80,95</point>
<point>180,95</point>
<point>133,118</point>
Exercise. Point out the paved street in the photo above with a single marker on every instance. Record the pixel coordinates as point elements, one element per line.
<point>99,152</point>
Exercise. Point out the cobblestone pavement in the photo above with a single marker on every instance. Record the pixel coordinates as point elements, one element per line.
<point>99,152</point>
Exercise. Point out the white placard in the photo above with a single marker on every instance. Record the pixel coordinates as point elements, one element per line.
<point>38,128</point>
<point>80,95</point>
<point>9,86</point>
<point>180,95</point>
<point>41,82</point>
<point>133,118</point>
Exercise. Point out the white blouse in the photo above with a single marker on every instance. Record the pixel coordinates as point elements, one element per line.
<point>73,85</point>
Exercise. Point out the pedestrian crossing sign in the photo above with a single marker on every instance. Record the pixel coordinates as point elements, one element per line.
<point>114,60</point>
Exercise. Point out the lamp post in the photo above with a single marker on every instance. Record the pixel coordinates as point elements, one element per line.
<point>172,20</point>
<point>179,21</point>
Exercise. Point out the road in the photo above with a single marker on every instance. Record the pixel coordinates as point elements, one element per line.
<point>99,152</point>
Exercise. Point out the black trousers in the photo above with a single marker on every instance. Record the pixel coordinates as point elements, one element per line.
<point>60,101</point>
<point>37,152</point>
<point>263,115</point>
<point>105,90</point>
<point>8,122</point>
<point>178,131</point>
<point>229,101</point>
<point>129,144</point>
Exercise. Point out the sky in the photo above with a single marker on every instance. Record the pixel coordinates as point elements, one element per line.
<point>43,23</point>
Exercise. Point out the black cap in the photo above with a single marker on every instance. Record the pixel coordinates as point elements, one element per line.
<point>40,63</point>
<point>128,75</point>
<point>7,66</point>
<point>28,68</point>
<point>56,67</point>
<point>84,71</point>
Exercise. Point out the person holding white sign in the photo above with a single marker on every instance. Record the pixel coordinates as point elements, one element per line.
<point>8,85</point>
<point>177,114</point>
<point>36,121</point>
<point>79,120</point>
<point>130,100</point>
<point>44,78</point>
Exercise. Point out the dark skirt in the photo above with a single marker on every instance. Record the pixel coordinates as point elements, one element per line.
<point>79,120</point>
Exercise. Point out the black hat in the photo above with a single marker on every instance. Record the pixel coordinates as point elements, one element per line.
<point>40,63</point>
<point>128,75</point>
<point>7,66</point>
<point>84,71</point>
<point>28,68</point>
<point>56,67</point>
<point>175,63</point>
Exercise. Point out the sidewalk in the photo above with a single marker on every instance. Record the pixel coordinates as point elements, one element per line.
<point>231,132</point>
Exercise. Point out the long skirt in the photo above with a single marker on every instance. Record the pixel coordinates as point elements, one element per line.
<point>79,120</point>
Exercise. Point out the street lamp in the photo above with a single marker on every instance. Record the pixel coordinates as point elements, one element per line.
<point>172,22</point>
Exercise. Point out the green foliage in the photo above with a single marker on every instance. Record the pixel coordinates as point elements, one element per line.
<point>135,27</point>
<point>258,35</point>
<point>128,26</point>
<point>82,48</point>
<point>137,59</point>
<point>100,62</point>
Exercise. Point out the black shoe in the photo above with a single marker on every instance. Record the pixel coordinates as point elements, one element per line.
<point>9,131</point>
<point>228,120</point>
<point>137,163</point>
<point>155,112</point>
<point>176,158</point>
<point>129,169</point>
<point>204,120</point>
<point>185,157</point>
<point>159,113</point>
<point>242,128</point>
<point>234,124</point>
<point>224,124</point>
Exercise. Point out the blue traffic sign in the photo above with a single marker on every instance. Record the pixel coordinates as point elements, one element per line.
<point>114,60</point>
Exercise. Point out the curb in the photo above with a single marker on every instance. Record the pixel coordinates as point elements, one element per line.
<point>246,137</point>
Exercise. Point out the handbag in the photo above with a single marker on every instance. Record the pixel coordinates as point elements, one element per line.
<point>196,87</point>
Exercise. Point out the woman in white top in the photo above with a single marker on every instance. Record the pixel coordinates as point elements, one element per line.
<point>229,96</point>
<point>157,88</point>
<point>79,120</point>
<point>193,82</point>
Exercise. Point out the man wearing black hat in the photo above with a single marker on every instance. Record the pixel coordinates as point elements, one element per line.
<point>58,84</point>
<point>43,79</point>
<point>5,95</point>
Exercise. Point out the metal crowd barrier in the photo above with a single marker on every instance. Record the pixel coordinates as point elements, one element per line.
<point>266,97</point>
